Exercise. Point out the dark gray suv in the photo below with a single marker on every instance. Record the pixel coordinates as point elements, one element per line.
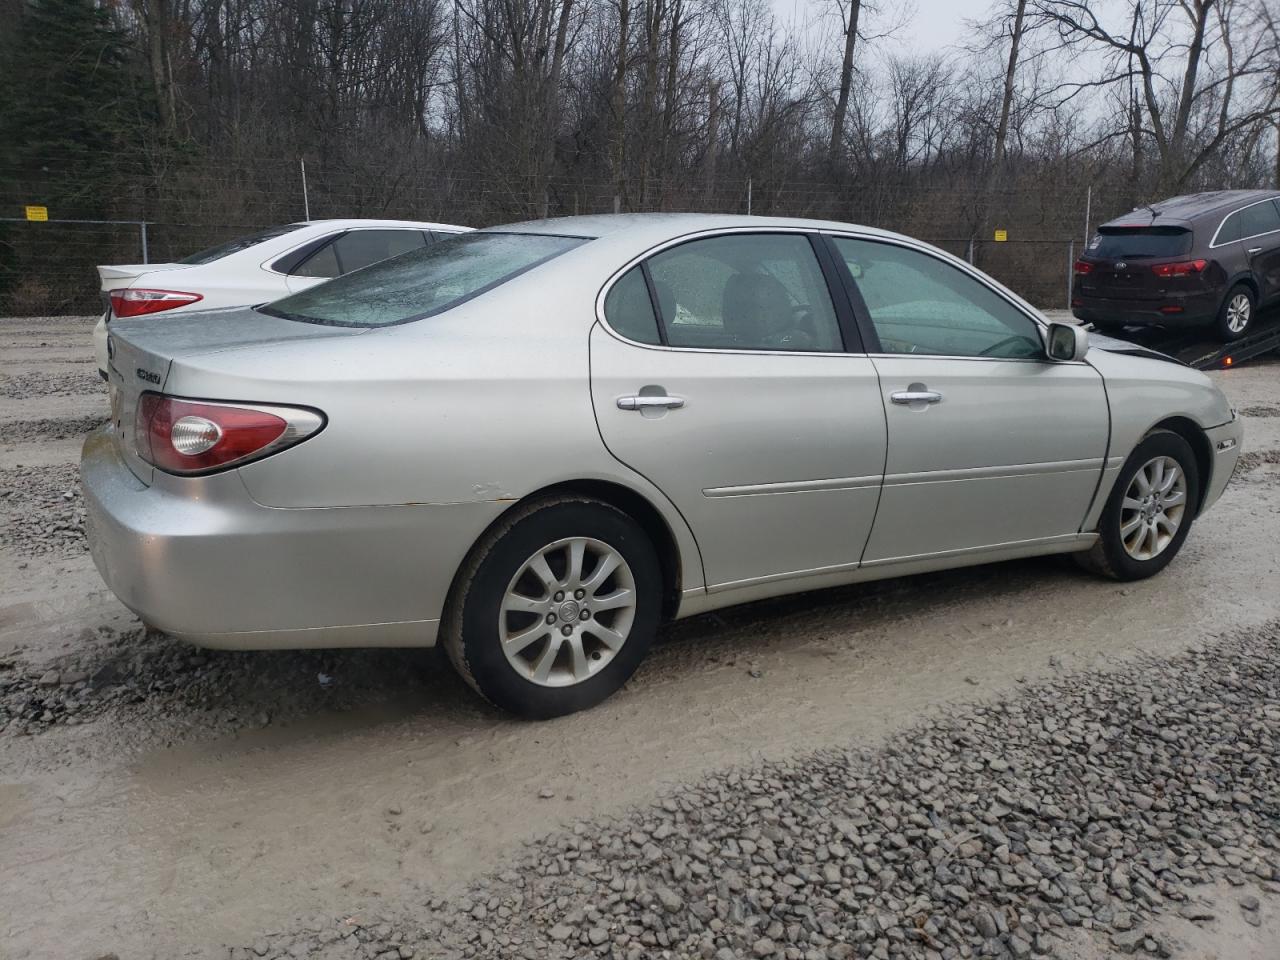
<point>1206,259</point>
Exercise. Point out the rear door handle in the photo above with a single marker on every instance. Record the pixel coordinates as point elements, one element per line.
<point>650,403</point>
<point>916,396</point>
<point>1252,250</point>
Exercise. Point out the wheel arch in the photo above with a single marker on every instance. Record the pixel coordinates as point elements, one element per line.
<point>636,505</point>
<point>1244,278</point>
<point>1198,440</point>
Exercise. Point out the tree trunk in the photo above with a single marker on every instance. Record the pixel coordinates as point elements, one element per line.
<point>846,79</point>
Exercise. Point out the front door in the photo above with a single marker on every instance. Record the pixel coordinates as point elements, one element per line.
<point>990,443</point>
<point>736,398</point>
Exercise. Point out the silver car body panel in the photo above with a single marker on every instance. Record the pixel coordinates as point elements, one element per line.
<point>780,473</point>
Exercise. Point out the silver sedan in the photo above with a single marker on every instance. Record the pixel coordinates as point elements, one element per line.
<point>535,443</point>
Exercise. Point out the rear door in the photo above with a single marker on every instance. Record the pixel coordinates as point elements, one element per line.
<point>990,443</point>
<point>1260,237</point>
<point>721,375</point>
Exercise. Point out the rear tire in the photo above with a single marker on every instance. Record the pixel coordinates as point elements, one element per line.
<point>1149,512</point>
<point>1235,316</point>
<point>555,608</point>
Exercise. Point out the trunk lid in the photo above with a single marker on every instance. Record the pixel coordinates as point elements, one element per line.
<point>141,355</point>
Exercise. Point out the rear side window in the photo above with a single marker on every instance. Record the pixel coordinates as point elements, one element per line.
<point>629,309</point>
<point>1258,219</point>
<point>241,243</point>
<point>1136,243</point>
<point>745,292</point>
<point>1229,232</point>
<point>362,248</point>
<point>424,282</point>
<point>322,263</point>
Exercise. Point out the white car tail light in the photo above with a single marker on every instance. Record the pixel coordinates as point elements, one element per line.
<point>136,303</point>
<point>199,436</point>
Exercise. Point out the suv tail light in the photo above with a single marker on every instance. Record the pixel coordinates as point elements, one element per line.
<point>1186,268</point>
<point>197,436</point>
<point>135,303</point>
<point>1082,268</point>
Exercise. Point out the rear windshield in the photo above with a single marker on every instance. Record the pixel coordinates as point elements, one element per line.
<point>240,243</point>
<point>423,282</point>
<point>1134,243</point>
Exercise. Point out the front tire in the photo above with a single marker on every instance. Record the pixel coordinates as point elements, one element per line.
<point>1235,316</point>
<point>555,608</point>
<point>1150,510</point>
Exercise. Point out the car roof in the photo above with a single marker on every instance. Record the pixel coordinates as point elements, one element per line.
<point>651,226</point>
<point>352,222</point>
<point>1186,209</point>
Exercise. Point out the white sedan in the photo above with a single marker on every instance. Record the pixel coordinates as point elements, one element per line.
<point>257,268</point>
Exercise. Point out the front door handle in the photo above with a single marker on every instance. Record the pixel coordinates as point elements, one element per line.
<point>1252,250</point>
<point>650,403</point>
<point>916,396</point>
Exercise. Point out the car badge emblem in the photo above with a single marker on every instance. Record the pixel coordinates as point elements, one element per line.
<point>1120,264</point>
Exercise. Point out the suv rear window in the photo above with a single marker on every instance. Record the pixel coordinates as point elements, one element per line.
<point>422,282</point>
<point>240,243</point>
<point>1135,243</point>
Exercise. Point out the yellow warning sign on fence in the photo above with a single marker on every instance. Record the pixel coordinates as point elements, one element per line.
<point>1002,236</point>
<point>37,213</point>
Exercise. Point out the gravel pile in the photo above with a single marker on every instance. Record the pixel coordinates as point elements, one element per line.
<point>1096,801</point>
<point>159,689</point>
<point>1251,460</point>
<point>43,511</point>
<point>52,428</point>
<point>50,385</point>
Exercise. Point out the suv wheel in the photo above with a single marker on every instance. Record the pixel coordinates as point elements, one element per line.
<point>1235,316</point>
<point>555,608</point>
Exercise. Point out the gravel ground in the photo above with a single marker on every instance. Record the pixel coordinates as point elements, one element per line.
<point>49,428</point>
<point>51,385</point>
<point>160,689</point>
<point>43,511</point>
<point>1097,801</point>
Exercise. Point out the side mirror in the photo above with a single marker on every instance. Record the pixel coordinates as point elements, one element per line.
<point>1067,342</point>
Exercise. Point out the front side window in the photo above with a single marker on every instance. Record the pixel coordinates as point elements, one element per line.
<point>745,292</point>
<point>1258,219</point>
<point>920,304</point>
<point>424,282</point>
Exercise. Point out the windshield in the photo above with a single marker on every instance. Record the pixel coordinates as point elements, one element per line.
<point>422,282</point>
<point>1135,243</point>
<point>240,243</point>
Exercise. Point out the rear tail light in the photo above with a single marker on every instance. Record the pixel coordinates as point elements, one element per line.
<point>135,303</point>
<point>1171,308</point>
<point>1082,268</point>
<point>1186,268</point>
<point>195,436</point>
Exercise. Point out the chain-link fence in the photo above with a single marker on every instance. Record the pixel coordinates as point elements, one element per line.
<point>48,268</point>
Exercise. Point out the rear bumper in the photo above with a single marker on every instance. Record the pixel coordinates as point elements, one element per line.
<point>199,559</point>
<point>1197,310</point>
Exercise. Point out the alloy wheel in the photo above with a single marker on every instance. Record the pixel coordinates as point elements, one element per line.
<point>1238,313</point>
<point>567,612</point>
<point>1153,508</point>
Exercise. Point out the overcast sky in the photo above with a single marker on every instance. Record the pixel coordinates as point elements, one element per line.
<point>934,24</point>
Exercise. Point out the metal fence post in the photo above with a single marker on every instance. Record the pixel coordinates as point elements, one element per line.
<point>1071,264</point>
<point>143,231</point>
<point>968,254</point>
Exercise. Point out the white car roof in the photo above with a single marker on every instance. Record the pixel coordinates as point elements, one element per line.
<point>353,222</point>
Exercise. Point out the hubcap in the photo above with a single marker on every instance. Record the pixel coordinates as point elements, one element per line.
<point>567,612</point>
<point>1238,313</point>
<point>1153,508</point>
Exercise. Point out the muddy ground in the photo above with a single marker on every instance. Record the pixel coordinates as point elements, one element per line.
<point>158,800</point>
